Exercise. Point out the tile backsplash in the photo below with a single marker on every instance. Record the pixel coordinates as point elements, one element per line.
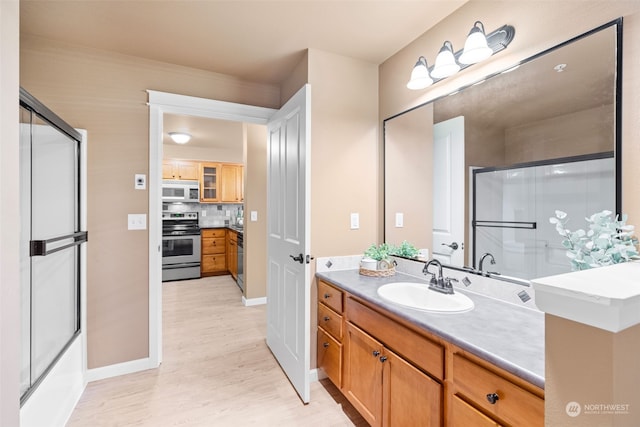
<point>209,214</point>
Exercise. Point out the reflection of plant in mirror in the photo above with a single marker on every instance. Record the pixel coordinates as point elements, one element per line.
<point>406,250</point>
<point>608,241</point>
<point>383,251</point>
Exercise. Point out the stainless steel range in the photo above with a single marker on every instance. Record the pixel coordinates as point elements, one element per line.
<point>180,246</point>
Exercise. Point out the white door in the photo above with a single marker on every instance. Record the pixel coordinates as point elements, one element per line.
<point>288,281</point>
<point>448,191</point>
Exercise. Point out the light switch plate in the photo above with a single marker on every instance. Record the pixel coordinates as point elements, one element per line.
<point>137,221</point>
<point>254,216</point>
<point>355,221</point>
<point>399,219</point>
<point>140,181</point>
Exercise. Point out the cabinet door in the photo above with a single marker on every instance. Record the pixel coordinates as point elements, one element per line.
<point>209,182</point>
<point>363,374</point>
<point>188,170</point>
<point>167,170</point>
<point>231,182</point>
<point>410,397</point>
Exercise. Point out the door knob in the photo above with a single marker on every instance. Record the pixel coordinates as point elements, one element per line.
<point>299,258</point>
<point>453,245</point>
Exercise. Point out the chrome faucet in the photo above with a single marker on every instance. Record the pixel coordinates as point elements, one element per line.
<point>487,254</point>
<point>438,282</point>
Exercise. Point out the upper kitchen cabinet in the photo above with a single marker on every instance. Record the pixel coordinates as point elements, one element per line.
<point>209,182</point>
<point>232,183</point>
<point>180,169</point>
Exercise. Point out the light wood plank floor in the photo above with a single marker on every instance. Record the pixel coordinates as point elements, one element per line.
<point>217,371</point>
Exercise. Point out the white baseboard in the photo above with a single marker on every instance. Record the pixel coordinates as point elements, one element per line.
<point>53,402</point>
<point>253,301</point>
<point>120,369</point>
<point>316,375</point>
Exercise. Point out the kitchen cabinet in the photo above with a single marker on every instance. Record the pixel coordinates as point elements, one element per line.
<point>180,170</point>
<point>232,183</point>
<point>213,252</point>
<point>395,373</point>
<point>232,253</point>
<point>209,182</point>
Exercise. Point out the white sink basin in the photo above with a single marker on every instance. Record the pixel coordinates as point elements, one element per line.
<point>419,296</point>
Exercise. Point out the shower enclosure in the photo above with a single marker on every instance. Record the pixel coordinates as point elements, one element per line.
<point>50,242</point>
<point>512,207</point>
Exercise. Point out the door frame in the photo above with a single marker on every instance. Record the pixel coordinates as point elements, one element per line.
<point>160,103</point>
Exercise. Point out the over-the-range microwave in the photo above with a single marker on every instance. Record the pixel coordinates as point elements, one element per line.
<point>180,191</point>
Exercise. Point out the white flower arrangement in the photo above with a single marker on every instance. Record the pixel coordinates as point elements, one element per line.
<point>609,240</point>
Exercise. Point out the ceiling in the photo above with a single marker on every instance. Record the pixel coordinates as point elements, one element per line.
<point>259,41</point>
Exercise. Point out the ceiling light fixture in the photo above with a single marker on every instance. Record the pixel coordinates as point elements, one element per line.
<point>477,48</point>
<point>180,137</point>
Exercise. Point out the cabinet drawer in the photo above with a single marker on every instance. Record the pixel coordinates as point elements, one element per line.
<point>213,245</point>
<point>418,349</point>
<point>465,415</point>
<point>330,321</point>
<point>330,357</point>
<point>514,406</point>
<point>213,232</point>
<point>330,296</point>
<point>213,263</point>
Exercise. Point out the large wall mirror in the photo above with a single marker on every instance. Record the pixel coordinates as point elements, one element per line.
<point>482,170</point>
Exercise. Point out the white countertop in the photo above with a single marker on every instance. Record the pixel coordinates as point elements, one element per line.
<point>607,297</point>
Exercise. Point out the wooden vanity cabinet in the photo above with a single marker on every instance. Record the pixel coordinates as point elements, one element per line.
<point>330,332</point>
<point>213,253</point>
<point>396,374</point>
<point>382,385</point>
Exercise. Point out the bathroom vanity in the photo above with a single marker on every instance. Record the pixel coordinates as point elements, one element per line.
<point>401,367</point>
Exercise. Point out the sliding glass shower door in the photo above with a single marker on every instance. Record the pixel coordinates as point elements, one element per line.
<point>50,239</point>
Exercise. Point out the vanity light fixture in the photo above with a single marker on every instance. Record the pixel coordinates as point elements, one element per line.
<point>477,48</point>
<point>420,75</point>
<point>180,137</point>
<point>446,64</point>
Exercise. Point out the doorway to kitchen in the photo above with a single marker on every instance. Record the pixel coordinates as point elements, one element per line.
<point>162,105</point>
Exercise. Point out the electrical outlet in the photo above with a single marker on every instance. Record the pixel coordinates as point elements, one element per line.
<point>203,212</point>
<point>254,216</point>
<point>355,221</point>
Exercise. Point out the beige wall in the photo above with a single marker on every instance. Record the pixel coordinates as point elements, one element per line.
<point>255,191</point>
<point>105,94</point>
<point>344,157</point>
<point>9,217</point>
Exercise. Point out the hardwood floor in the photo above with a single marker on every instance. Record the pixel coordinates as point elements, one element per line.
<point>217,371</point>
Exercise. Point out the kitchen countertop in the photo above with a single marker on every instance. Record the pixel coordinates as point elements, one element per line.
<point>229,227</point>
<point>509,336</point>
